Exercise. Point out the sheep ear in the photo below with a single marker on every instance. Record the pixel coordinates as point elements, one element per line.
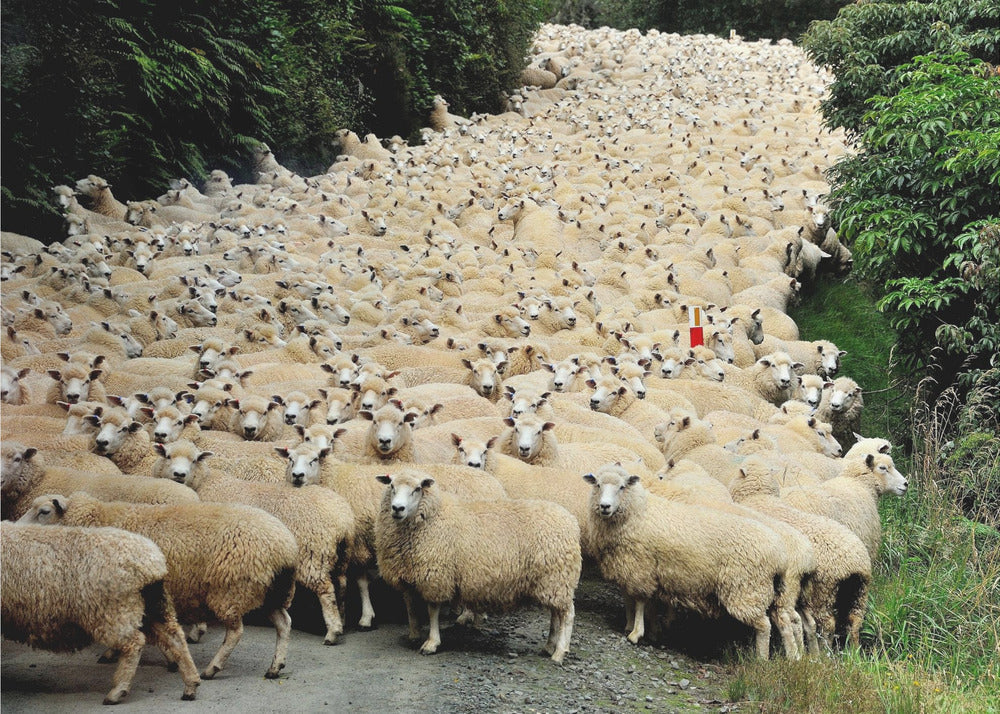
<point>134,427</point>
<point>811,422</point>
<point>54,373</point>
<point>160,449</point>
<point>191,419</point>
<point>466,363</point>
<point>367,415</point>
<point>384,478</point>
<point>456,439</point>
<point>509,421</point>
<point>492,442</point>
<point>410,417</point>
<point>282,451</point>
<point>870,461</point>
<point>755,435</point>
<point>59,503</point>
<point>797,366</point>
<point>686,422</point>
<point>427,483</point>
<point>632,480</point>
<point>590,478</point>
<point>842,353</point>
<point>195,348</point>
<point>591,383</point>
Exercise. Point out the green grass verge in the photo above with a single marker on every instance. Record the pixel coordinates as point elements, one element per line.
<point>931,638</point>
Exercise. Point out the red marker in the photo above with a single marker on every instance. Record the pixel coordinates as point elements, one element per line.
<point>694,322</point>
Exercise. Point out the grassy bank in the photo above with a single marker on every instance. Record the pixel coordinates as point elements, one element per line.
<point>930,642</point>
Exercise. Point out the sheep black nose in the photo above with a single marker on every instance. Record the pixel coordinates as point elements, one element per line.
<point>289,419</point>
<point>572,321</point>
<point>250,430</point>
<point>72,398</point>
<point>160,436</point>
<point>475,464</point>
<point>397,512</point>
<point>102,445</point>
<point>594,403</point>
<point>523,450</point>
<point>179,476</point>
<point>641,395</point>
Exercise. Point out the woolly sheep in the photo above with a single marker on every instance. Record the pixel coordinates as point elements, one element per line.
<point>255,418</point>
<point>321,521</point>
<point>685,555</point>
<point>852,497</point>
<point>67,587</point>
<point>487,554</point>
<point>28,474</point>
<point>841,406</point>
<point>843,567</point>
<point>243,559</point>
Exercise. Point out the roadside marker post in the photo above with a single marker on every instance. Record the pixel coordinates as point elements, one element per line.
<point>695,325</point>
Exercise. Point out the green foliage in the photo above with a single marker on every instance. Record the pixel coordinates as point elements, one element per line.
<point>753,19</point>
<point>867,42</point>
<point>142,92</point>
<point>917,204</point>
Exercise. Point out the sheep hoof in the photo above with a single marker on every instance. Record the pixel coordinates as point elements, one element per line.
<point>115,697</point>
<point>332,640</point>
<point>272,674</point>
<point>558,657</point>
<point>428,648</point>
<point>190,692</point>
<point>210,673</point>
<point>633,638</point>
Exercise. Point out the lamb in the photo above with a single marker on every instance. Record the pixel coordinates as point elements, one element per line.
<point>65,588</point>
<point>841,406</point>
<point>843,566</point>
<point>29,473</point>
<point>687,556</point>
<point>485,554</point>
<point>223,560</point>
<point>321,520</point>
<point>852,497</point>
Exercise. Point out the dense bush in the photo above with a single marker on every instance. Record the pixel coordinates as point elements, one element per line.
<point>918,205</point>
<point>144,91</point>
<point>752,19</point>
<point>867,41</point>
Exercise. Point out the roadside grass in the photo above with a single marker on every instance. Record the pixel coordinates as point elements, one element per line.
<point>931,638</point>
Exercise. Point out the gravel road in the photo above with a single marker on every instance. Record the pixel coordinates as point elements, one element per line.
<point>495,669</point>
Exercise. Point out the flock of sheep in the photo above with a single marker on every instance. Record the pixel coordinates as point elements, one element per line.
<point>463,366</point>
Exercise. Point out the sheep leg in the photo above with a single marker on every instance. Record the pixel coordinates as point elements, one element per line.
<point>342,597</point>
<point>783,621</point>
<point>629,613</point>
<point>565,632</point>
<point>555,630</point>
<point>433,640</point>
<point>234,631</point>
<point>283,626</point>
<point>411,616</point>
<point>763,626</point>
<point>367,611</point>
<point>856,615</point>
<point>810,641</point>
<point>128,662</point>
<point>638,628</point>
<point>170,639</point>
<point>331,612</point>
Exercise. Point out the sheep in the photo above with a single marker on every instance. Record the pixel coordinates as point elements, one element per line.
<point>12,390</point>
<point>843,566</point>
<point>389,437</point>
<point>820,357</point>
<point>123,440</point>
<point>770,377</point>
<point>688,556</point>
<point>685,436</point>
<point>75,383</point>
<point>223,560</point>
<point>841,406</point>
<point>321,521</point>
<point>852,497</point>
<point>67,587</point>
<point>29,473</point>
<point>486,554</point>
<point>255,418</point>
<point>98,192</point>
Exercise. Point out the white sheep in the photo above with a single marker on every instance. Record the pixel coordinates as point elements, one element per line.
<point>687,556</point>
<point>321,521</point>
<point>486,554</point>
<point>841,406</point>
<point>67,587</point>
<point>223,560</point>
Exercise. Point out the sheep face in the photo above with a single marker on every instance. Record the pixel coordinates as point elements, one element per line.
<point>131,346</point>
<point>168,423</point>
<point>113,432</point>
<point>252,416</point>
<point>529,305</point>
<point>198,314</point>
<point>342,372</point>
<point>513,323</point>
<point>53,314</point>
<point>721,342</point>
<point>165,326</point>
<point>673,364</point>
<point>319,435</point>
<point>181,459</point>
<point>74,383</point>
<point>404,494</point>
<point>206,406</point>
<point>889,479</point>
<point>607,391</point>
<point>304,461</point>
<point>297,407</point>
<point>45,510</point>
<point>339,406</point>
<point>780,368</point>
<point>708,368</point>
<point>633,374</point>
<point>609,487</point>
<point>563,373</point>
<point>829,360</point>
<point>844,392</point>
<point>472,452</point>
<point>372,393</point>
<point>10,385</point>
<point>528,434</point>
<point>390,428</point>
<point>562,312</point>
<point>811,389</point>
<point>525,401</point>
<point>483,376</point>
<point>15,458</point>
<point>329,310</point>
